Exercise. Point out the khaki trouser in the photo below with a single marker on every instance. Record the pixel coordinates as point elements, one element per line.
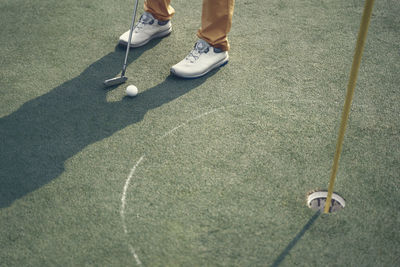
<point>216,19</point>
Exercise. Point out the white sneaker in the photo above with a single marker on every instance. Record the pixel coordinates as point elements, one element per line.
<point>201,60</point>
<point>145,30</point>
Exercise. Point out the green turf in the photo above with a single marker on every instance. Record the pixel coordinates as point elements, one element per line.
<point>227,159</point>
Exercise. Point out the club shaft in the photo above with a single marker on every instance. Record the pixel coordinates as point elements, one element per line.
<point>129,39</point>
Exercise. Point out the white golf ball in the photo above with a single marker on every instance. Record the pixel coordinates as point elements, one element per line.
<point>131,90</point>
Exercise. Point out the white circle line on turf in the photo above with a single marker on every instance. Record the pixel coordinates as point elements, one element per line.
<point>133,169</point>
<point>123,204</point>
<point>184,123</point>
<point>131,173</point>
<point>135,255</point>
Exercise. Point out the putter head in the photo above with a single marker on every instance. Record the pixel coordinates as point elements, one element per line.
<point>115,81</point>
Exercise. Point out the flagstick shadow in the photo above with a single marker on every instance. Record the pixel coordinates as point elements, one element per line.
<point>293,243</point>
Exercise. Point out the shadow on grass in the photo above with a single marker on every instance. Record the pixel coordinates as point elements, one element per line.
<point>43,133</point>
<point>292,243</point>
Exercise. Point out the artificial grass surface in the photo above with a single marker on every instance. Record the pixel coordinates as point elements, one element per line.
<point>227,159</point>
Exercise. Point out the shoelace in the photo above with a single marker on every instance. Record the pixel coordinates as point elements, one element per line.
<point>196,53</point>
<point>143,21</point>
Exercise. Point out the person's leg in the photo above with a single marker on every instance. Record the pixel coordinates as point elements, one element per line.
<point>211,51</point>
<point>216,22</point>
<point>160,9</point>
<point>154,23</point>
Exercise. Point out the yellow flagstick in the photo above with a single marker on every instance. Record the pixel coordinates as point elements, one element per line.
<point>362,35</point>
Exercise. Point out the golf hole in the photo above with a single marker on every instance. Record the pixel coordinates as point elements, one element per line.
<point>316,201</point>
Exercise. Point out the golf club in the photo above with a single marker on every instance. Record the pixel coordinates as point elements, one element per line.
<point>123,78</point>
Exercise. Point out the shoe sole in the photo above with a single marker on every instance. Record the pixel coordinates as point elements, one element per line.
<point>216,65</point>
<point>157,35</point>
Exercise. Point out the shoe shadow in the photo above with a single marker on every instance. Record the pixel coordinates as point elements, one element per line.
<point>44,132</point>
